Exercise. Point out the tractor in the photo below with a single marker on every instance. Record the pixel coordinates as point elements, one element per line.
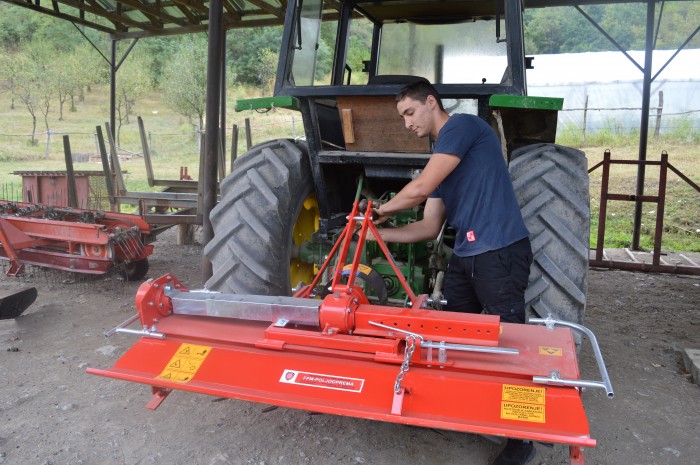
<point>286,201</point>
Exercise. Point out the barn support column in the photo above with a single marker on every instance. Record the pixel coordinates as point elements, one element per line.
<point>113,68</point>
<point>644,124</point>
<point>222,124</point>
<point>211,141</point>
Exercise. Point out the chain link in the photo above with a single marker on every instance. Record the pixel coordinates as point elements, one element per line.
<point>410,347</point>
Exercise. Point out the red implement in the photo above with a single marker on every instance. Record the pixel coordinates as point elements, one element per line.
<point>70,239</point>
<point>344,356</point>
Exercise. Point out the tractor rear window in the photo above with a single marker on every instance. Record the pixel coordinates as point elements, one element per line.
<point>465,53</point>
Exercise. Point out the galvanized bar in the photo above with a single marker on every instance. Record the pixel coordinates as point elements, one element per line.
<point>246,307</point>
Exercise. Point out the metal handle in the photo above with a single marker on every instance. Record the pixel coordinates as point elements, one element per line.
<point>121,325</point>
<point>554,379</point>
<point>122,328</point>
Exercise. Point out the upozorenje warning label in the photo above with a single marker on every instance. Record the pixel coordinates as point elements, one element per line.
<point>522,412</point>
<point>527,394</point>
<point>523,403</point>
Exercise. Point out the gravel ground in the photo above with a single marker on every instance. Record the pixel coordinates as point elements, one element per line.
<point>54,413</point>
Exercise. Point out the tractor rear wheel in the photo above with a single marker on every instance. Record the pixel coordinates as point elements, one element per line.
<point>266,208</point>
<point>551,184</point>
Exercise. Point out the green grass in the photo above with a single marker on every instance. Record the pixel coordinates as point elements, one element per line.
<point>174,145</point>
<point>173,139</point>
<point>682,207</point>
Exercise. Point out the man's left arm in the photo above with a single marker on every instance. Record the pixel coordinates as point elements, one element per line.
<point>418,190</point>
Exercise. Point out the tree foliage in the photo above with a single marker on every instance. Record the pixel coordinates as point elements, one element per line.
<point>133,81</point>
<point>243,46</point>
<point>184,79</point>
<point>565,30</point>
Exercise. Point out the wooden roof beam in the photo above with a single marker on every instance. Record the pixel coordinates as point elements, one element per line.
<point>267,8</point>
<point>160,14</point>
<point>117,19</point>
<point>64,16</point>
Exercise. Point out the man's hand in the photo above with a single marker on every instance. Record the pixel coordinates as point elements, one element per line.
<point>378,217</point>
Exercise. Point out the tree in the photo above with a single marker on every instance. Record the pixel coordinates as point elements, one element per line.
<point>9,76</point>
<point>26,88</point>
<point>133,81</point>
<point>243,46</point>
<point>184,82</point>
<point>267,67</point>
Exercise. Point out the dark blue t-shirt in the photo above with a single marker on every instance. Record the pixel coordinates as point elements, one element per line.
<point>479,200</point>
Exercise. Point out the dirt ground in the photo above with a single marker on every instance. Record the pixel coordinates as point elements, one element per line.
<point>53,413</point>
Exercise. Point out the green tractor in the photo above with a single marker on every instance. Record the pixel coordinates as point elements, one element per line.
<point>286,200</point>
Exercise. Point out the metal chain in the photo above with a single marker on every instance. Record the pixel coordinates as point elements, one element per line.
<point>410,347</point>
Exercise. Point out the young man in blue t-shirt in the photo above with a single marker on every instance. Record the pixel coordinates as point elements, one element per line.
<point>467,183</point>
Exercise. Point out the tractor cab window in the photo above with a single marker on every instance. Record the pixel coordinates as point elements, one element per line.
<point>464,53</point>
<point>313,45</point>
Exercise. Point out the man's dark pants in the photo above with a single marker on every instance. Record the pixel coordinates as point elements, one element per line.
<point>493,281</point>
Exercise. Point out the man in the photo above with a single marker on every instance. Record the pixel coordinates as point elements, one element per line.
<point>466,181</point>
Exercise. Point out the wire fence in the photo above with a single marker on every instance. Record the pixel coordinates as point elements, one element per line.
<point>85,147</point>
<point>581,123</point>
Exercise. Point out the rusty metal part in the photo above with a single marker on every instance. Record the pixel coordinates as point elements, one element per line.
<point>70,239</point>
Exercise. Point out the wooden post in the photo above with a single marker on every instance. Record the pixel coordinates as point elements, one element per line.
<point>248,135</point>
<point>105,167</point>
<point>234,145</point>
<point>146,152</point>
<point>603,208</point>
<point>659,111</point>
<point>72,191</point>
<point>585,116</point>
<point>660,207</point>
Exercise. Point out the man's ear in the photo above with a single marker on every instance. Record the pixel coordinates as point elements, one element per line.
<point>431,102</point>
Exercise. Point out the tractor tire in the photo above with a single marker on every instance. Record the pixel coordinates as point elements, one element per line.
<point>551,184</point>
<point>255,220</point>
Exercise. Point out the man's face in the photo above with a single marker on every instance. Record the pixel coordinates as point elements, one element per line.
<point>417,116</point>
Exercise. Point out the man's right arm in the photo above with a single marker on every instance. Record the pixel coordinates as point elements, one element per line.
<point>426,229</point>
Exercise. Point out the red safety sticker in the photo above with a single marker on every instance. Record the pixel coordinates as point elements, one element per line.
<point>318,380</point>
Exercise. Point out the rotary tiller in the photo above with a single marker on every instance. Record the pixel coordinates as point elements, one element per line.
<point>344,355</point>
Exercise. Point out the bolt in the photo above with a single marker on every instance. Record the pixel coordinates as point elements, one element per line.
<point>151,304</point>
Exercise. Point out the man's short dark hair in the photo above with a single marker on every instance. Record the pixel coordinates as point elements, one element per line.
<point>419,90</point>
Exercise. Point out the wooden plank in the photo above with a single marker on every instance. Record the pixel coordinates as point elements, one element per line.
<point>377,126</point>
<point>348,132</point>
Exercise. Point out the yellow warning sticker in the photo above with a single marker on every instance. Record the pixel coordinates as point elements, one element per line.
<point>554,351</point>
<point>362,268</point>
<point>526,394</point>
<point>522,412</point>
<point>184,364</point>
